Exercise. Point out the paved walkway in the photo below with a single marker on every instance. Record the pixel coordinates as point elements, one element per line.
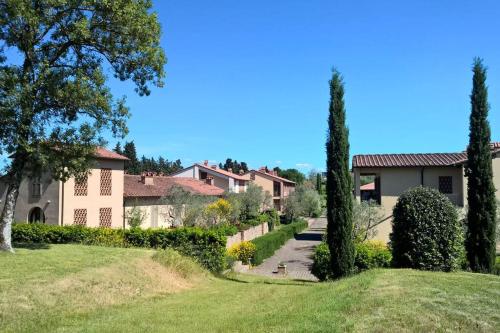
<point>296,254</point>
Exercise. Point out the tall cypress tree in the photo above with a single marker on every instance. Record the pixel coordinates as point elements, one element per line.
<point>481,217</point>
<point>318,183</point>
<point>338,184</point>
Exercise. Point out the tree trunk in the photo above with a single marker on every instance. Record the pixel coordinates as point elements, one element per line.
<point>7,216</point>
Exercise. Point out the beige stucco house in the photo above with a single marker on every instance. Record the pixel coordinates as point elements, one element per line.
<point>213,175</point>
<point>395,173</point>
<point>270,182</point>
<point>96,200</point>
<point>104,198</point>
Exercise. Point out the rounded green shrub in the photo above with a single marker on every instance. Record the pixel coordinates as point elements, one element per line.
<point>321,263</point>
<point>426,233</point>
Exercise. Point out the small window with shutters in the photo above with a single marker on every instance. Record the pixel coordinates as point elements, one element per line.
<point>80,216</point>
<point>105,217</point>
<point>105,181</point>
<point>81,186</point>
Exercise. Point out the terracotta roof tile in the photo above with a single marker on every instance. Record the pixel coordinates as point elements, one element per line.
<point>108,154</point>
<point>222,172</point>
<point>272,176</point>
<point>134,187</point>
<point>407,160</point>
<point>413,160</point>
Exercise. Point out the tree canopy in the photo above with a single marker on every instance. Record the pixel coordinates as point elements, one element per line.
<point>54,101</point>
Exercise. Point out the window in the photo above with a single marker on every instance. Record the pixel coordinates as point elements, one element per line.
<point>105,217</point>
<point>36,188</point>
<point>105,181</point>
<point>81,186</point>
<point>80,217</point>
<point>446,184</point>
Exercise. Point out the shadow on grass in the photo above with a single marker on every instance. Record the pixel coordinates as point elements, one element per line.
<point>32,246</point>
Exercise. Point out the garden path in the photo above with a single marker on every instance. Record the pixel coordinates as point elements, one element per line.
<point>296,254</point>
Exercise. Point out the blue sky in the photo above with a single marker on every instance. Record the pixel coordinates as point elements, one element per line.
<point>249,80</point>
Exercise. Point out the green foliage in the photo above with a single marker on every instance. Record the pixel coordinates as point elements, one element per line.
<point>54,102</point>
<point>319,183</point>
<point>135,217</point>
<point>273,219</point>
<point>481,217</point>
<point>365,216</point>
<point>426,233</point>
<point>291,174</point>
<point>268,244</point>
<point>207,247</point>
<point>234,166</point>
<point>249,203</point>
<point>243,251</point>
<point>369,254</point>
<point>321,262</point>
<point>302,202</point>
<point>372,254</point>
<point>339,183</point>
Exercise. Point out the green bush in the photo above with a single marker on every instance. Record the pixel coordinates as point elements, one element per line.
<point>369,254</point>
<point>273,219</point>
<point>243,251</point>
<point>266,245</point>
<point>372,254</point>
<point>321,263</point>
<point>426,233</point>
<point>207,247</point>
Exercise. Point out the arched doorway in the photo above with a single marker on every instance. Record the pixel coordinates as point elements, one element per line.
<point>36,215</point>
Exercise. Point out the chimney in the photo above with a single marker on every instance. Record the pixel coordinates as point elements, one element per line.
<point>147,178</point>
<point>209,180</point>
<point>205,163</point>
<point>262,169</point>
<point>241,172</point>
<point>230,170</point>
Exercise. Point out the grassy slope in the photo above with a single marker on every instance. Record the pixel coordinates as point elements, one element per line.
<point>379,300</point>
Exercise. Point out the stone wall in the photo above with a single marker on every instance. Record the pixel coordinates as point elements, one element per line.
<point>247,235</point>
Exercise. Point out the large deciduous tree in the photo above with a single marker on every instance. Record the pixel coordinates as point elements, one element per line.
<point>54,102</point>
<point>481,216</point>
<point>338,184</point>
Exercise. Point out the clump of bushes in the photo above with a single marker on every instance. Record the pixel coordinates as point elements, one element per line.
<point>302,202</point>
<point>206,246</point>
<point>266,245</point>
<point>426,233</point>
<point>369,254</point>
<point>372,254</point>
<point>243,251</point>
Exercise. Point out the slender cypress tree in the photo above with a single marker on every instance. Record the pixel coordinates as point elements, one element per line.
<point>318,183</point>
<point>481,217</point>
<point>338,184</point>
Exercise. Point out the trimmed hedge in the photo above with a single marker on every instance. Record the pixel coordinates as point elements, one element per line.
<point>369,254</point>
<point>207,247</point>
<point>426,233</point>
<point>268,244</point>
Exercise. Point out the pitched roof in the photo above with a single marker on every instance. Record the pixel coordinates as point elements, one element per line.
<point>273,176</point>
<point>406,160</point>
<point>108,154</point>
<point>134,187</point>
<point>413,160</point>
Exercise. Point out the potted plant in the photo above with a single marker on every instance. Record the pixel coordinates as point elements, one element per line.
<point>281,268</point>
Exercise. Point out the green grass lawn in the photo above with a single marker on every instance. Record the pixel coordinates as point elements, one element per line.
<point>70,288</point>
